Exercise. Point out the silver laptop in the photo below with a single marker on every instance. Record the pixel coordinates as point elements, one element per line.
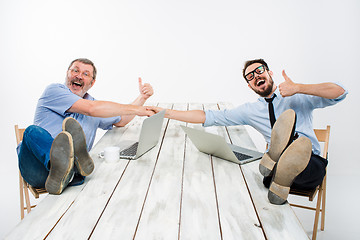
<point>217,146</point>
<point>149,137</point>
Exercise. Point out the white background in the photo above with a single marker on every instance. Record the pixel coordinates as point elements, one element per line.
<point>190,51</point>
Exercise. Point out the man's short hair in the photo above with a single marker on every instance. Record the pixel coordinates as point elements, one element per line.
<point>250,62</point>
<point>85,61</point>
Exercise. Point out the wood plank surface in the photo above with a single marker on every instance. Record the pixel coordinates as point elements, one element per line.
<point>199,216</point>
<point>89,205</point>
<point>237,215</point>
<point>161,214</point>
<point>120,218</point>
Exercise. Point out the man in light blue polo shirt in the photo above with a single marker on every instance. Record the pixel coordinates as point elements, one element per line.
<point>292,133</point>
<point>54,151</point>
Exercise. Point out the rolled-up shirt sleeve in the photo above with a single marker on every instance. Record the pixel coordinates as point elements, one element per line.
<point>107,123</point>
<point>319,102</point>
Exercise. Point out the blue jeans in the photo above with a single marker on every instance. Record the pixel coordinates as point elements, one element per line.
<point>34,157</point>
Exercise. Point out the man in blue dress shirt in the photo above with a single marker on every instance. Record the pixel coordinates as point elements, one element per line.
<point>54,151</point>
<point>292,159</point>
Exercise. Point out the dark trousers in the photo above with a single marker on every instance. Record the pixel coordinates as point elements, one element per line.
<point>311,177</point>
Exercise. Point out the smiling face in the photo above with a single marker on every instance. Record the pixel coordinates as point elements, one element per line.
<point>79,78</point>
<point>261,82</point>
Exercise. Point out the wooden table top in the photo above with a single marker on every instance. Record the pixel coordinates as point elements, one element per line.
<point>172,192</point>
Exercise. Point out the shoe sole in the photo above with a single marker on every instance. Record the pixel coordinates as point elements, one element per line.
<point>281,133</point>
<point>83,161</point>
<point>291,163</point>
<point>61,163</point>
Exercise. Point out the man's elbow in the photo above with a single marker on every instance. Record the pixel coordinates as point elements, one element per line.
<point>339,90</point>
<point>84,107</point>
<point>120,124</point>
<point>91,109</point>
<point>91,112</point>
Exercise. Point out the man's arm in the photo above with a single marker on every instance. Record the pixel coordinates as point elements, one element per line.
<point>106,109</point>
<point>146,91</point>
<point>191,116</point>
<point>325,90</point>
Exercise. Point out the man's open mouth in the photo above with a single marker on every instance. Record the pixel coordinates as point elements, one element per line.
<point>260,82</point>
<point>77,83</point>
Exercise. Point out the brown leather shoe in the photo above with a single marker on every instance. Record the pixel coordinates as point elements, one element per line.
<point>281,137</point>
<point>83,161</point>
<point>291,163</point>
<point>61,163</point>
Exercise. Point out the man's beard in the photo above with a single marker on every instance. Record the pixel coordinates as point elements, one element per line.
<point>267,91</point>
<point>76,85</point>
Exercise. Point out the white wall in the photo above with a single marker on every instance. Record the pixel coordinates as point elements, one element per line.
<point>190,50</point>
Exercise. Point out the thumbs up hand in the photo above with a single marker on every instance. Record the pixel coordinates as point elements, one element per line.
<point>288,87</point>
<point>145,89</point>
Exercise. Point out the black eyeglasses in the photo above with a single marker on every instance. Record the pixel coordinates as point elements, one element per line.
<point>251,75</point>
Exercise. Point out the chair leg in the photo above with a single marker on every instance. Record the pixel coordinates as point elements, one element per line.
<point>323,205</point>
<point>27,199</point>
<point>317,213</point>
<point>21,185</point>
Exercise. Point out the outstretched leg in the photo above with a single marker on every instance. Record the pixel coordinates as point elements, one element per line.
<point>61,163</point>
<point>291,163</point>
<point>83,161</point>
<point>281,136</point>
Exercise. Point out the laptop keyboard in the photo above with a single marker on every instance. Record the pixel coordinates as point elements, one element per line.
<point>130,151</point>
<point>241,156</point>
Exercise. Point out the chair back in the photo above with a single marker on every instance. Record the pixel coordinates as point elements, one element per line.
<point>19,133</point>
<point>323,135</point>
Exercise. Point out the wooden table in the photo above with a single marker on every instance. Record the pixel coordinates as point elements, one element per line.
<point>171,192</point>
